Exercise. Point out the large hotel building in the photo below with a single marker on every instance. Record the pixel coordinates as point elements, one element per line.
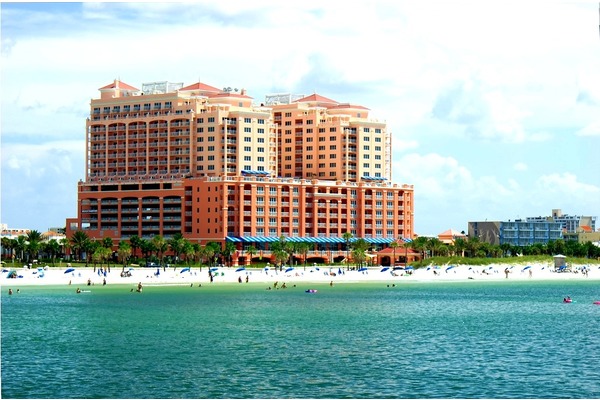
<point>213,166</point>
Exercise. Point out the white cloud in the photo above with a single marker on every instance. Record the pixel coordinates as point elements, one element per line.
<point>592,129</point>
<point>520,166</point>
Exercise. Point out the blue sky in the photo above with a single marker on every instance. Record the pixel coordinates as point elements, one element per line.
<point>494,107</point>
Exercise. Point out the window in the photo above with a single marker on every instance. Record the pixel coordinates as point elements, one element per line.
<point>321,156</point>
<point>261,130</point>
<point>322,165</point>
<point>211,119</point>
<point>200,120</point>
<point>211,158</point>
<point>309,148</point>
<point>147,107</point>
<point>332,129</point>
<point>366,156</point>
<point>247,148</point>
<point>260,149</point>
<point>211,148</point>
<point>332,138</point>
<point>211,167</point>
<point>200,149</point>
<point>261,121</point>
<point>211,138</point>
<point>200,130</point>
<point>247,129</point>
<point>288,140</point>
<point>366,165</point>
<point>168,104</point>
<point>309,130</point>
<point>332,165</point>
<point>200,158</point>
<point>366,138</point>
<point>261,159</point>
<point>261,140</point>
<point>309,122</point>
<point>308,157</point>
<point>288,114</point>
<point>247,120</point>
<point>136,107</point>
<point>321,148</point>
<point>288,123</point>
<point>378,166</point>
<point>333,155</point>
<point>333,147</point>
<point>288,158</point>
<point>247,158</point>
<point>126,108</point>
<point>378,140</point>
<point>157,106</point>
<point>309,139</point>
<point>321,139</point>
<point>377,130</point>
<point>247,139</point>
<point>211,129</point>
<point>367,148</point>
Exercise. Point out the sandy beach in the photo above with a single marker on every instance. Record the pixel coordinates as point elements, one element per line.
<point>80,277</point>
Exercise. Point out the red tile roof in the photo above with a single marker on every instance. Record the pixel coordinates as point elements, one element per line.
<point>200,86</point>
<point>121,85</point>
<point>318,98</point>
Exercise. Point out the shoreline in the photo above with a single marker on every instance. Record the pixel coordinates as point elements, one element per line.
<point>183,276</point>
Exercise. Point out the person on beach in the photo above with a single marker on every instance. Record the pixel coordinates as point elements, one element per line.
<point>139,287</point>
<point>247,278</point>
<point>506,271</point>
<point>89,283</point>
<point>239,279</point>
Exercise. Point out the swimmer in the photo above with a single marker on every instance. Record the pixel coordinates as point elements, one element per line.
<point>10,291</point>
<point>78,290</point>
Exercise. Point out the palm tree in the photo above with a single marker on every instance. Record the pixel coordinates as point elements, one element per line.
<point>406,245</point>
<point>79,241</point>
<point>34,239</point>
<point>460,245</point>
<point>53,248</point>
<point>252,251</point>
<point>434,245</point>
<point>420,245</point>
<point>211,249</point>
<point>394,245</point>
<point>228,250</point>
<point>20,245</point>
<point>7,246</point>
<point>176,243</point>
<point>359,251</point>
<point>124,252</point>
<point>347,238</point>
<point>303,248</point>
<point>161,246</point>
<point>136,243</point>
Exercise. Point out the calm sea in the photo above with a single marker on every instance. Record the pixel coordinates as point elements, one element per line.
<point>415,340</point>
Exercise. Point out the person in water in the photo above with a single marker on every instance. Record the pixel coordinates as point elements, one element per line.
<point>78,290</point>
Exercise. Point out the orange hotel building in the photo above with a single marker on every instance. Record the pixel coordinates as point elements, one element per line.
<point>213,166</point>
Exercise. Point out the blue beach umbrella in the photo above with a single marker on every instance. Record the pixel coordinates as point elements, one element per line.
<point>526,268</point>
<point>240,269</point>
<point>384,269</point>
<point>214,269</point>
<point>449,268</point>
<point>184,270</point>
<point>289,269</point>
<point>362,269</point>
<point>69,270</point>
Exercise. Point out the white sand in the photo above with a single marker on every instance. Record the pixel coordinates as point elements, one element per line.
<point>80,276</point>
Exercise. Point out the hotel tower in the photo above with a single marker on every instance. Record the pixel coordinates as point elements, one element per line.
<point>210,164</point>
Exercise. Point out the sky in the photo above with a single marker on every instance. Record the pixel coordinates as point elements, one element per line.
<point>493,107</point>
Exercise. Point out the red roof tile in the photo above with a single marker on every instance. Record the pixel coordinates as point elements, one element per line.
<point>318,98</point>
<point>200,86</point>
<point>122,85</point>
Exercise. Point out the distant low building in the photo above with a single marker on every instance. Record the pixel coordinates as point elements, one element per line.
<point>516,233</point>
<point>569,223</point>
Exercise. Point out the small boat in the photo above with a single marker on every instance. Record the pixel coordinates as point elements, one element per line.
<point>311,290</point>
<point>567,300</point>
<point>597,302</point>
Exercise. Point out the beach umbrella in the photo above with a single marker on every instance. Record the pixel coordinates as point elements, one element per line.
<point>214,269</point>
<point>526,268</point>
<point>289,269</point>
<point>384,269</point>
<point>449,268</point>
<point>240,269</point>
<point>362,269</point>
<point>184,270</point>
<point>11,274</point>
<point>409,267</point>
<point>69,270</point>
<point>266,268</point>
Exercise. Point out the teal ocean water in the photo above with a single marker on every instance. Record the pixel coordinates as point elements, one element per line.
<point>415,340</point>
